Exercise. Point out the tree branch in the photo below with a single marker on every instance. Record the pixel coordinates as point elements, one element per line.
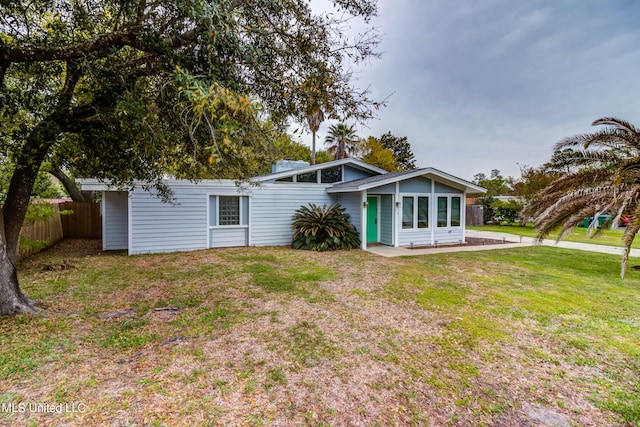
<point>71,52</point>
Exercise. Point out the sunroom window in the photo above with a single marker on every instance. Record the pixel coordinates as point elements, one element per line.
<point>449,211</point>
<point>442,211</point>
<point>415,212</point>
<point>423,212</point>
<point>455,211</point>
<point>407,213</point>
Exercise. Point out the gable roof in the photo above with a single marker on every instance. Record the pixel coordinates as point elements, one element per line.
<point>358,164</point>
<point>393,177</point>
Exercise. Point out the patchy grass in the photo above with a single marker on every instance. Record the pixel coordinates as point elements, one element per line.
<point>262,336</point>
<point>606,237</point>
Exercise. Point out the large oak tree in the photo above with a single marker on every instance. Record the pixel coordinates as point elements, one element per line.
<point>131,89</point>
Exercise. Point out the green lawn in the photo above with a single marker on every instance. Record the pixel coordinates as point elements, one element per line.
<point>262,336</point>
<point>606,237</point>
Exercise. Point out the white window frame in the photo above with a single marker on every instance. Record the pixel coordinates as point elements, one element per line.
<point>415,197</point>
<point>294,177</point>
<point>240,211</point>
<point>448,196</point>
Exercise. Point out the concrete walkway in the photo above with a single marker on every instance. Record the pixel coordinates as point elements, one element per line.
<point>389,251</point>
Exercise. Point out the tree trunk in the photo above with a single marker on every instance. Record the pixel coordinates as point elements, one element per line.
<point>313,147</point>
<point>17,202</point>
<point>12,301</point>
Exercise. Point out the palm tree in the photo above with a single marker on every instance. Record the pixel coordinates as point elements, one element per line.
<point>342,141</point>
<point>602,177</point>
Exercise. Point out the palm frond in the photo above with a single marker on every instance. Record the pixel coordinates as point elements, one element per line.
<point>600,174</point>
<point>616,123</point>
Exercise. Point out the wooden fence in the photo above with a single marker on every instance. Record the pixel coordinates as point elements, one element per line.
<point>84,222</point>
<point>37,236</point>
<point>474,215</point>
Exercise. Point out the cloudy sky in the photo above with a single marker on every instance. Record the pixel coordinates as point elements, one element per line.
<point>491,84</point>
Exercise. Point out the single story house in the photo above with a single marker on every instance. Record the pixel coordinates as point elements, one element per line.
<point>416,207</point>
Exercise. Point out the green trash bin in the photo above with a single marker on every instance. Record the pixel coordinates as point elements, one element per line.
<point>602,219</point>
<point>585,222</point>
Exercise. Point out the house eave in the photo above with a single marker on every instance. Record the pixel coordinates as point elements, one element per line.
<point>430,173</point>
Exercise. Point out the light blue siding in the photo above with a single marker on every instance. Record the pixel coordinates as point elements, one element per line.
<point>386,220</point>
<point>446,235</point>
<point>443,188</point>
<point>416,185</point>
<point>164,227</point>
<point>351,174</point>
<point>353,205</point>
<point>228,237</point>
<point>213,208</point>
<point>385,189</point>
<point>273,206</point>
<point>115,222</point>
<point>420,237</point>
<point>423,237</point>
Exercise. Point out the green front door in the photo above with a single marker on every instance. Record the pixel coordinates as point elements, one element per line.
<point>372,219</point>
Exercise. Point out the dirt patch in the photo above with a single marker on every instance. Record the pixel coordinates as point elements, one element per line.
<point>72,248</point>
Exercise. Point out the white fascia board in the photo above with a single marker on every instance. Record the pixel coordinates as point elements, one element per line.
<point>92,184</point>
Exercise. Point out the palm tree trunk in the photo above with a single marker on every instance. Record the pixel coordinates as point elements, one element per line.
<point>313,147</point>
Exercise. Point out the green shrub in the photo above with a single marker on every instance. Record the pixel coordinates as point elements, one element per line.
<point>323,229</point>
<point>507,210</point>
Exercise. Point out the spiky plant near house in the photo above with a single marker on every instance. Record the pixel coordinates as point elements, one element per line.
<point>323,229</point>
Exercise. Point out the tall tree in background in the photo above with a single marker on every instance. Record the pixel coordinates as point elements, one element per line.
<point>342,141</point>
<point>377,155</point>
<point>603,177</point>
<point>129,90</point>
<point>496,185</point>
<point>401,150</point>
<point>315,117</point>
<point>532,181</point>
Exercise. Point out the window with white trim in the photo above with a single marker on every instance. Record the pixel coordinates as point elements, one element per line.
<point>415,212</point>
<point>443,207</point>
<point>322,176</point>
<point>455,211</point>
<point>228,211</point>
<point>449,211</point>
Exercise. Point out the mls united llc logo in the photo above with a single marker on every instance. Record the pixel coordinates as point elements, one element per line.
<point>43,407</point>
